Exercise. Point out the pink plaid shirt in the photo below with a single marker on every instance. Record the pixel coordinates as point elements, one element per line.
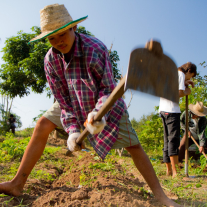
<point>82,86</point>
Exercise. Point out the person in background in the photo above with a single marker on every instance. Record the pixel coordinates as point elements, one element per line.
<point>197,125</point>
<point>170,114</point>
<point>11,122</point>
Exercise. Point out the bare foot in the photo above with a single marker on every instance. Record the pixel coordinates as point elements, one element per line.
<point>169,173</point>
<point>168,202</point>
<point>9,188</point>
<point>174,175</point>
<point>169,169</point>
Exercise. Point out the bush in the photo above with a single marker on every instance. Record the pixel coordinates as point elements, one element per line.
<point>12,148</point>
<point>25,132</point>
<point>150,132</point>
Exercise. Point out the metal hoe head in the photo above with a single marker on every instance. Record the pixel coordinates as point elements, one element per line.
<point>153,74</point>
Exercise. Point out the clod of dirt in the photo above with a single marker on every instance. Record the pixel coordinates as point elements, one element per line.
<point>95,197</point>
<point>96,184</point>
<point>79,195</point>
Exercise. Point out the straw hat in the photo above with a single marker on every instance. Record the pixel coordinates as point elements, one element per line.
<point>198,109</point>
<point>55,19</point>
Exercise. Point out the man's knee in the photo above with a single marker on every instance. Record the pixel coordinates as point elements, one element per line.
<point>44,124</point>
<point>134,147</point>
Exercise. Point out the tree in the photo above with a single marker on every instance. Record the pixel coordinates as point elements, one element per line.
<point>203,64</point>
<point>23,68</point>
<point>198,93</point>
<point>24,64</point>
<point>150,131</point>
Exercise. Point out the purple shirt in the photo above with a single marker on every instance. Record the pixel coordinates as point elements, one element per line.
<point>82,85</point>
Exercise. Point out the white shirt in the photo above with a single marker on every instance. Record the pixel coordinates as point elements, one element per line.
<point>169,106</point>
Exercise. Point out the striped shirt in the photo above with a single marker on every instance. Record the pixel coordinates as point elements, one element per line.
<point>82,85</point>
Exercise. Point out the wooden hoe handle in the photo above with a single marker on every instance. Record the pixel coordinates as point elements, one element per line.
<point>114,96</point>
<point>198,145</point>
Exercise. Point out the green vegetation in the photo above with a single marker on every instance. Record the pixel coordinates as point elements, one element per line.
<point>27,132</point>
<point>53,168</point>
<point>11,153</point>
<point>12,148</point>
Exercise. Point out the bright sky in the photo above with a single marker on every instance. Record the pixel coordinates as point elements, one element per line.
<point>179,25</point>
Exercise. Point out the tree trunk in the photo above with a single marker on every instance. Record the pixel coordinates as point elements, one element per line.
<point>7,103</point>
<point>10,105</point>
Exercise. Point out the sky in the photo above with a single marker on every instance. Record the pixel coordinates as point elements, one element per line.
<point>180,26</point>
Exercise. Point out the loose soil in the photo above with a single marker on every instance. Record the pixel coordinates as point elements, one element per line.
<point>82,183</point>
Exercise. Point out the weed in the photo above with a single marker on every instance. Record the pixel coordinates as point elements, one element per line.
<point>70,183</point>
<point>86,179</point>
<point>110,159</point>
<point>3,195</point>
<point>49,151</point>
<point>80,157</point>
<point>96,158</point>
<point>42,175</point>
<point>7,202</point>
<point>121,184</point>
<point>103,166</point>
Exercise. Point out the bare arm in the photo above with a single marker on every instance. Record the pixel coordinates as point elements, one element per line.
<point>186,92</point>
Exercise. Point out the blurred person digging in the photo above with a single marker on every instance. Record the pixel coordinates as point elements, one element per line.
<point>197,125</point>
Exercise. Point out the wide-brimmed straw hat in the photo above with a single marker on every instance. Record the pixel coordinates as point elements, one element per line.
<point>55,19</point>
<point>198,109</point>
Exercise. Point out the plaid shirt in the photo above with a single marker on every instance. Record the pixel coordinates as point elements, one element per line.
<point>202,121</point>
<point>82,85</point>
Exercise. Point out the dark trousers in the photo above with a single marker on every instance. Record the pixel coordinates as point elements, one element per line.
<point>12,128</point>
<point>171,124</point>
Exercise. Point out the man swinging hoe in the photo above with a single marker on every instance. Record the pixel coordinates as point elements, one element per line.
<point>79,73</point>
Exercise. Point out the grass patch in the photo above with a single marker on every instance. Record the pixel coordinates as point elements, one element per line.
<point>42,175</point>
<point>24,133</point>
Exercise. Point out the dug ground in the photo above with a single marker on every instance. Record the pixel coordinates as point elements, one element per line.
<point>84,180</point>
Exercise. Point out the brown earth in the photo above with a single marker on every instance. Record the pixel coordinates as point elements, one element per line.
<point>78,184</point>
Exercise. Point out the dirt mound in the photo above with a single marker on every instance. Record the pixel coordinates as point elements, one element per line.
<point>85,181</point>
<point>56,141</point>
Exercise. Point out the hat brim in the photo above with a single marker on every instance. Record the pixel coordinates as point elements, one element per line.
<point>59,30</point>
<point>197,112</point>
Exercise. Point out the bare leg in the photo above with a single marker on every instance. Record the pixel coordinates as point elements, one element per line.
<point>182,149</point>
<point>144,165</point>
<point>169,169</point>
<point>174,163</point>
<point>31,155</point>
